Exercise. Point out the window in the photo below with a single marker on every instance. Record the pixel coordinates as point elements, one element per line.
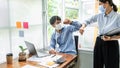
<point>63,9</point>
<point>71,13</point>
<point>78,10</point>
<point>88,8</point>
<point>54,8</point>
<point>117,2</point>
<point>72,9</point>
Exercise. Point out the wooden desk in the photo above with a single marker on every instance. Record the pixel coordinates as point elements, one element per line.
<point>69,59</point>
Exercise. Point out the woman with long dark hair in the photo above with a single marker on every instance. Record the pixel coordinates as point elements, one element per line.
<point>106,50</point>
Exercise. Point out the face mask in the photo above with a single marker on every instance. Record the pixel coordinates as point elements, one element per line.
<point>102,9</point>
<point>59,26</point>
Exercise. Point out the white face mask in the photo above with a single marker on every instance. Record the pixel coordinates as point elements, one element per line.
<point>59,26</point>
<point>102,9</point>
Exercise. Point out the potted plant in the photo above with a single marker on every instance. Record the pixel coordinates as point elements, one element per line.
<point>22,54</point>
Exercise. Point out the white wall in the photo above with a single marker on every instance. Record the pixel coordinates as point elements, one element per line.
<point>26,11</point>
<point>4,30</point>
<point>12,11</point>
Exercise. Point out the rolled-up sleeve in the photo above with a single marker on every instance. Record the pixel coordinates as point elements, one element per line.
<point>91,20</point>
<point>74,26</point>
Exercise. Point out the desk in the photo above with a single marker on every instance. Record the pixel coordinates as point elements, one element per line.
<point>69,59</point>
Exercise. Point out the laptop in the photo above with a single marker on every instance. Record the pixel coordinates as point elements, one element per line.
<point>33,51</point>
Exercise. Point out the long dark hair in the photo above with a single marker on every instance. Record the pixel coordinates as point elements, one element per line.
<point>111,4</point>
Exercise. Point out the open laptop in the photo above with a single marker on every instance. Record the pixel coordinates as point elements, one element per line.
<point>33,51</point>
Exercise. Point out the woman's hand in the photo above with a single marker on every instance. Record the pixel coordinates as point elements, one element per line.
<point>106,38</point>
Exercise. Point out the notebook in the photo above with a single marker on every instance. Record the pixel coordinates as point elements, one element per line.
<point>115,31</point>
<point>33,51</point>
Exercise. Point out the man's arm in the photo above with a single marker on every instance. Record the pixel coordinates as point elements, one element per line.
<point>52,45</point>
<point>74,25</point>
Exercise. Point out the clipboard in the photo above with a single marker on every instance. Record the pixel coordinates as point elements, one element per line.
<point>113,32</point>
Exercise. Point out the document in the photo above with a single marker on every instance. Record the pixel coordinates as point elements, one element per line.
<point>50,61</point>
<point>29,66</point>
<point>34,58</point>
<point>115,31</point>
<point>49,64</point>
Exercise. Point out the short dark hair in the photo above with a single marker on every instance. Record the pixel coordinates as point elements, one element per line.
<point>111,4</point>
<point>53,19</point>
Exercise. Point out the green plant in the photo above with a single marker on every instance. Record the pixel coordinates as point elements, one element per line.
<point>22,49</point>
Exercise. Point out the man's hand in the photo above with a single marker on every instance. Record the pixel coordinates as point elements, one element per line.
<point>67,21</point>
<point>52,51</point>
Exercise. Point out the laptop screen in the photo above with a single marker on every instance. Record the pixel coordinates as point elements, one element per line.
<point>31,48</point>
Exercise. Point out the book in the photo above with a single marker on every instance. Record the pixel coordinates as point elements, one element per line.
<point>113,32</point>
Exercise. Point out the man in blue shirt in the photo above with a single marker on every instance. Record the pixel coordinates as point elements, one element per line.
<point>62,39</point>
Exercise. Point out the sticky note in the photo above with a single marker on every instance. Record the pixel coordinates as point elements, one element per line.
<point>21,33</point>
<point>25,25</point>
<point>18,24</point>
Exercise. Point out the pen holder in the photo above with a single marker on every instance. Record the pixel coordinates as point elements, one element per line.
<point>9,58</point>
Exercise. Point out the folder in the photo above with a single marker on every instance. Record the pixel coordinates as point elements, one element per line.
<point>113,32</point>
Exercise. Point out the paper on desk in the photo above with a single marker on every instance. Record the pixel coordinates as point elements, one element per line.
<point>29,66</point>
<point>49,59</point>
<point>34,58</point>
<point>53,66</point>
<point>45,60</point>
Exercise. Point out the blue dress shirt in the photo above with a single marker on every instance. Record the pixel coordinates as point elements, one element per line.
<point>64,41</point>
<point>106,23</point>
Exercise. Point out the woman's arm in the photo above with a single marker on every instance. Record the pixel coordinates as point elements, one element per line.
<point>88,21</point>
